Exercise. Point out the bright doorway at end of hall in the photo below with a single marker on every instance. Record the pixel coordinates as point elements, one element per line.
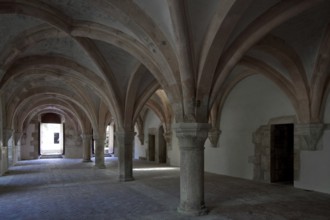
<point>51,139</point>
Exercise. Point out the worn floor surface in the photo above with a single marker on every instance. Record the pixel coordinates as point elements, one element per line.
<point>69,189</point>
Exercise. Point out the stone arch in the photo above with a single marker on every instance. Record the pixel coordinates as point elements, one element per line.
<point>262,69</point>
<point>109,35</point>
<point>21,107</point>
<point>147,57</point>
<point>67,113</point>
<point>252,34</point>
<point>57,72</point>
<point>320,79</point>
<point>215,41</point>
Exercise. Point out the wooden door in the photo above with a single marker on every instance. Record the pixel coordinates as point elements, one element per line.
<point>282,153</point>
<point>161,146</point>
<point>152,147</point>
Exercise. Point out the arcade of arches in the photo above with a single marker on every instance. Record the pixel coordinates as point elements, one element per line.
<point>228,87</point>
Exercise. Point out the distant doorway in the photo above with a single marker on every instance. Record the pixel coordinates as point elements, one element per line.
<point>51,139</point>
<point>152,147</point>
<point>109,140</point>
<point>282,153</point>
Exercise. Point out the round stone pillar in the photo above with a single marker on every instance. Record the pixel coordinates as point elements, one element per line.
<point>191,138</point>
<point>125,142</point>
<point>86,139</point>
<point>99,152</point>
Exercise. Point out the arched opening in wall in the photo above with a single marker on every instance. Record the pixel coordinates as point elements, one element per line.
<point>282,153</point>
<point>109,140</point>
<point>51,135</point>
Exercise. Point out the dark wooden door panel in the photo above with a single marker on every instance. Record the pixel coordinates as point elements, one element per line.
<point>152,147</point>
<point>282,153</point>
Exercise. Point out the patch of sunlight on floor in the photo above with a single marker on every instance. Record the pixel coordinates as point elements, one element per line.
<point>156,169</point>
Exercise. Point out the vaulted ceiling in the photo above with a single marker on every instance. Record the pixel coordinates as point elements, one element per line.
<point>83,58</point>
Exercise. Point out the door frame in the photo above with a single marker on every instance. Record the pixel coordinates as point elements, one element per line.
<point>261,160</point>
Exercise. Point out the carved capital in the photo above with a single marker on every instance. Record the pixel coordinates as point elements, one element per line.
<point>86,137</point>
<point>309,135</point>
<point>17,137</point>
<point>7,134</point>
<point>98,137</point>
<point>192,135</point>
<point>214,135</point>
<point>141,138</point>
<point>168,137</point>
<point>4,151</point>
<point>125,138</point>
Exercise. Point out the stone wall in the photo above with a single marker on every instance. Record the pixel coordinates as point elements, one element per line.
<point>30,142</point>
<point>251,104</point>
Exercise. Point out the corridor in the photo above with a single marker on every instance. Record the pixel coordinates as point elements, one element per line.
<point>68,189</point>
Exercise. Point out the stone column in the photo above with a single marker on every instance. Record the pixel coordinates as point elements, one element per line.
<point>125,142</point>
<point>191,138</point>
<point>8,149</point>
<point>4,160</point>
<point>17,146</point>
<point>86,139</point>
<point>99,151</point>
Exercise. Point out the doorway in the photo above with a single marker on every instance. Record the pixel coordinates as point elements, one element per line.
<point>51,139</point>
<point>282,153</point>
<point>152,147</point>
<point>109,140</point>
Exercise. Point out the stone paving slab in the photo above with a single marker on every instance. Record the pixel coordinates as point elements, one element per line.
<point>69,189</point>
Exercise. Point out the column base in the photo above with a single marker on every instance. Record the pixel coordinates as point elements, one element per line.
<point>125,179</point>
<point>99,166</point>
<point>193,212</point>
<point>86,160</point>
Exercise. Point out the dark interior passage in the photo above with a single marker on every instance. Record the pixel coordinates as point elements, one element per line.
<point>152,147</point>
<point>282,156</point>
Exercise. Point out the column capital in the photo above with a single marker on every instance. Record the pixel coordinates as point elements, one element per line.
<point>7,134</point>
<point>192,135</point>
<point>214,135</point>
<point>125,136</point>
<point>168,137</point>
<point>125,133</point>
<point>309,135</point>
<point>98,136</point>
<point>17,137</point>
<point>86,136</point>
<point>192,129</point>
<point>141,138</point>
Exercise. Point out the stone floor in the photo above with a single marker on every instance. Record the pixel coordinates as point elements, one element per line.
<point>69,189</point>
